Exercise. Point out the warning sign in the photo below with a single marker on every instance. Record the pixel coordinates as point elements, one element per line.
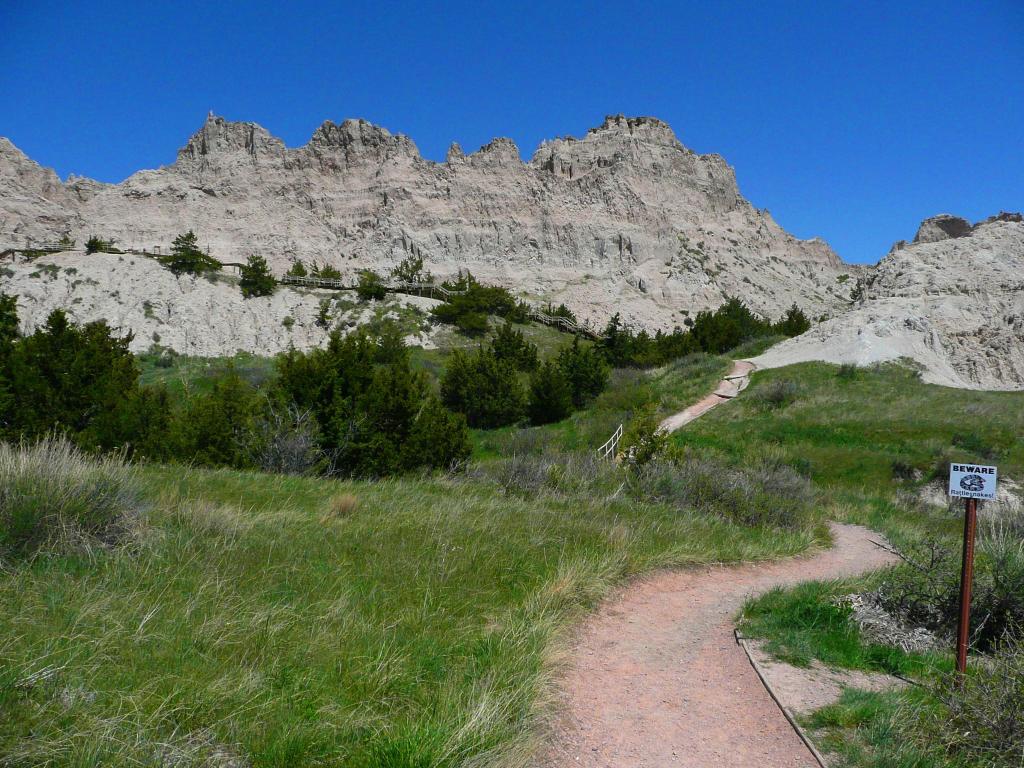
<point>972,481</point>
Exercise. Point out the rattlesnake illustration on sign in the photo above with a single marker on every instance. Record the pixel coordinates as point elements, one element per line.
<point>972,483</point>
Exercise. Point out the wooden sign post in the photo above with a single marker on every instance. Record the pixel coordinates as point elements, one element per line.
<point>969,482</point>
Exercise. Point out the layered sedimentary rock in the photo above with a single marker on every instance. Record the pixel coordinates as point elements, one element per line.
<point>952,300</point>
<point>625,219</point>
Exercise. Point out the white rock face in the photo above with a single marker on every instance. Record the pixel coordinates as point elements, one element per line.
<point>953,300</point>
<point>191,315</point>
<point>625,219</point>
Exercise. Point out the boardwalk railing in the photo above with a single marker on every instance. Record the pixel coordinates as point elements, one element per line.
<point>33,250</point>
<point>611,446</point>
<point>419,289</point>
<point>561,322</point>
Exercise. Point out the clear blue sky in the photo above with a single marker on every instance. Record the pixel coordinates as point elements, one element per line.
<point>848,120</point>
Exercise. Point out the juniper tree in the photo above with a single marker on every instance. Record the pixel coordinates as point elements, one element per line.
<point>550,395</point>
<point>256,278</point>
<point>187,258</point>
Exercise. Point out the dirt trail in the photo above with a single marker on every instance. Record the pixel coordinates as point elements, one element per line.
<point>657,678</point>
<point>734,383</point>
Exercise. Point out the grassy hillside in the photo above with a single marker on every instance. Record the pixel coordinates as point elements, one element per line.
<point>666,390</point>
<point>877,442</point>
<point>852,425</point>
<point>865,435</point>
<point>272,621</point>
<point>293,621</point>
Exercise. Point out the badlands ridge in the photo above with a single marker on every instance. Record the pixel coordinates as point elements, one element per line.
<point>625,219</point>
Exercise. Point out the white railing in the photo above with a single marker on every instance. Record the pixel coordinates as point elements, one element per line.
<point>611,446</point>
<point>562,322</point>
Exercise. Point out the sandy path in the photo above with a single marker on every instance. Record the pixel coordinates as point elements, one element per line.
<point>657,678</point>
<point>734,383</point>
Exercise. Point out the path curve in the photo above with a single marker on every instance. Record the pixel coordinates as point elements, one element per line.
<point>734,383</point>
<point>657,678</point>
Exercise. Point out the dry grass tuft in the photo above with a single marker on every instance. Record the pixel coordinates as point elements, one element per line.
<point>339,507</point>
<point>55,498</point>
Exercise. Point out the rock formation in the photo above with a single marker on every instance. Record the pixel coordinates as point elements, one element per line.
<point>953,301</point>
<point>203,316</point>
<point>625,219</point>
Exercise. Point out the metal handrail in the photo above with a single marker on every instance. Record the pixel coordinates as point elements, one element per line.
<point>611,445</point>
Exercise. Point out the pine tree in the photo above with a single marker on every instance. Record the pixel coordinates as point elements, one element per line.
<point>323,314</point>
<point>187,258</point>
<point>8,319</point>
<point>511,345</point>
<point>370,286</point>
<point>298,269</point>
<point>585,370</point>
<point>550,395</point>
<point>793,323</point>
<point>256,278</point>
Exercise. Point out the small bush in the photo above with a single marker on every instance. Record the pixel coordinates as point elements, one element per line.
<point>793,323</point>
<point>52,498</point>
<point>370,286</point>
<point>469,310</point>
<point>410,270</point>
<point>325,271</point>
<point>924,592</point>
<point>848,371</point>
<point>985,720</point>
<point>903,470</point>
<point>284,439</point>
<point>323,315</point>
<point>764,494</point>
<point>939,469</point>
<point>977,446</point>
<point>98,245</point>
<point>776,394</point>
<point>643,440</point>
<point>553,472</point>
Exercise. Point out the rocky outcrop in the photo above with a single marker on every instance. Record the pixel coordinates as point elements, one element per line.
<point>625,219</point>
<point>942,227</point>
<point>204,316</point>
<point>952,303</point>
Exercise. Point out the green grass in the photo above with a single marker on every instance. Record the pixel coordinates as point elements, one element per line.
<point>422,628</point>
<point>183,374</point>
<point>419,629</point>
<point>847,428</point>
<point>850,429</point>
<point>670,388</point>
<point>804,623</point>
<point>870,730</point>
